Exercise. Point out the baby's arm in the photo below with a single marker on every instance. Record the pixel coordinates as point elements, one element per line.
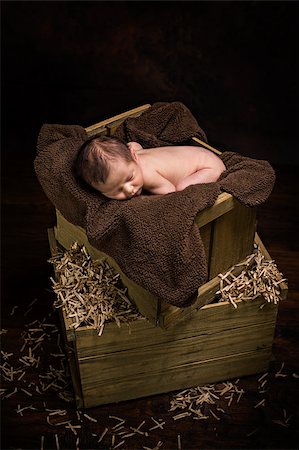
<point>208,175</point>
<point>155,183</point>
<point>164,188</point>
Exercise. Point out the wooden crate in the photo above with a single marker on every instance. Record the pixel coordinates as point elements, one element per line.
<point>217,342</point>
<point>227,230</point>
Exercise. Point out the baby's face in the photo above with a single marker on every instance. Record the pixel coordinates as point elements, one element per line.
<point>124,181</point>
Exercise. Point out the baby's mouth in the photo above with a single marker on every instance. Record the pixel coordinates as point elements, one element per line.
<point>138,192</point>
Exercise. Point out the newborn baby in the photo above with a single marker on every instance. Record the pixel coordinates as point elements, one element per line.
<point>121,171</point>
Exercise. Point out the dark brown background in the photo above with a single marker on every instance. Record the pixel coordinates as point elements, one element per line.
<point>235,65</point>
<point>232,63</point>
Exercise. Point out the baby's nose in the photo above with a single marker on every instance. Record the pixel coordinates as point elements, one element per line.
<point>129,190</point>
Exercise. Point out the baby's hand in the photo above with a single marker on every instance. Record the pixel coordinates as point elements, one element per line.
<point>134,146</point>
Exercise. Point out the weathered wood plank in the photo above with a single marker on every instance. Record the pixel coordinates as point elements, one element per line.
<point>233,238</point>
<point>209,320</point>
<point>205,234</point>
<point>224,203</point>
<point>97,127</point>
<point>204,144</point>
<point>180,377</point>
<point>158,357</point>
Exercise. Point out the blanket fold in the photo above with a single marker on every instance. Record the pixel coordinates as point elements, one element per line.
<point>153,238</point>
<point>162,124</point>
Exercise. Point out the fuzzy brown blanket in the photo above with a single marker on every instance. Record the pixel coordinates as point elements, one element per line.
<point>154,238</point>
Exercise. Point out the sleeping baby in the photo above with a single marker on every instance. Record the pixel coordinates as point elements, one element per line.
<point>121,171</point>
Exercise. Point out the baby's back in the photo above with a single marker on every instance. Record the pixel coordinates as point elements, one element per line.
<point>177,162</point>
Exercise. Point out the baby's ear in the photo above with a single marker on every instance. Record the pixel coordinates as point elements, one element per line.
<point>131,147</point>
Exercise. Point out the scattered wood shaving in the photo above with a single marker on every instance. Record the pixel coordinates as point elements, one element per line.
<point>179,442</point>
<point>261,403</point>
<point>26,392</point>
<point>252,432</point>
<point>57,442</point>
<point>195,400</point>
<point>262,377</point>
<point>103,434</point>
<point>11,393</point>
<point>89,418</point>
<point>158,424</point>
<point>160,443</point>
<point>119,444</point>
<point>13,310</point>
<point>279,373</point>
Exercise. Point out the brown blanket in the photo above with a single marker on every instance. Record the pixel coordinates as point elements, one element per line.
<point>153,239</point>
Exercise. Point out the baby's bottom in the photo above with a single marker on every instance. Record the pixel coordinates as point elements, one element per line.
<point>200,177</point>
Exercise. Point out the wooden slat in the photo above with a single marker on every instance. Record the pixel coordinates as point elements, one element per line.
<point>224,203</point>
<point>180,377</point>
<point>209,320</point>
<point>112,127</point>
<point>158,357</point>
<point>71,354</point>
<point>99,126</point>
<point>205,234</point>
<point>204,144</point>
<point>206,294</point>
<point>97,131</point>
<point>52,242</point>
<point>233,238</point>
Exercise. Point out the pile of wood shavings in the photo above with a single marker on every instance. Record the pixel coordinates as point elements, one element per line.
<point>197,400</point>
<point>260,277</point>
<point>89,291</point>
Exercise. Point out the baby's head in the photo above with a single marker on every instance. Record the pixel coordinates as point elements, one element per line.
<point>110,167</point>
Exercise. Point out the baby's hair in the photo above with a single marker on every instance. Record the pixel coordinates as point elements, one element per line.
<point>92,163</point>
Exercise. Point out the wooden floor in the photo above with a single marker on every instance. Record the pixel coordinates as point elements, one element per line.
<point>27,305</point>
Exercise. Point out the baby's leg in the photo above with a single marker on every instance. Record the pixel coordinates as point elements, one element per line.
<point>199,177</point>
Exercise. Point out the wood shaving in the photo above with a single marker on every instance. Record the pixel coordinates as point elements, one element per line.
<point>119,444</point>
<point>57,442</point>
<point>13,310</point>
<point>279,373</point>
<point>159,424</point>
<point>90,291</point>
<point>103,434</point>
<point>252,432</point>
<point>262,377</point>
<point>261,403</point>
<point>195,400</point>
<point>89,418</point>
<point>260,277</point>
<point>179,442</point>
